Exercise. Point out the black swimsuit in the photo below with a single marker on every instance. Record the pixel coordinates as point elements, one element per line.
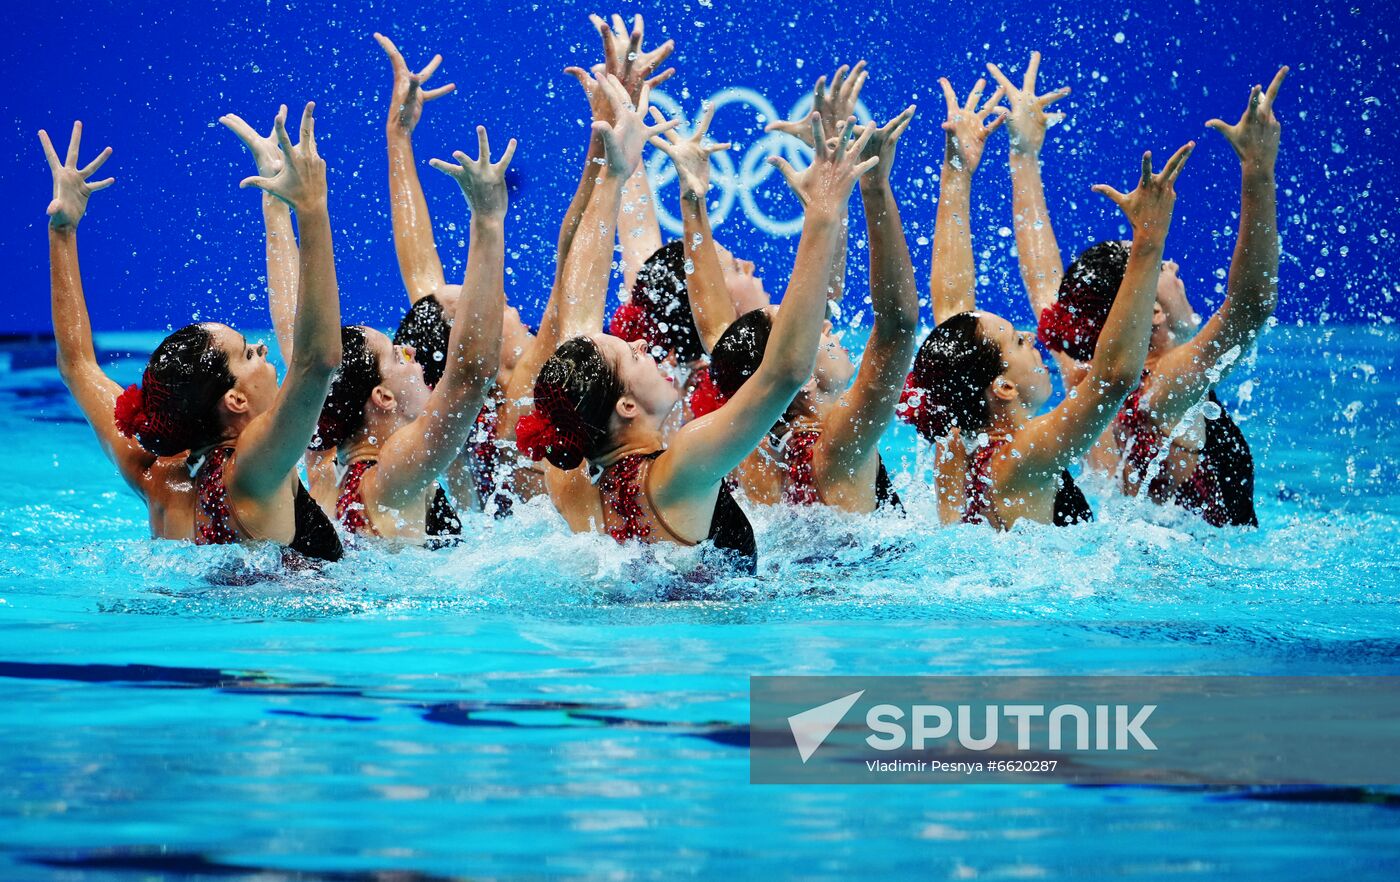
<point>629,514</point>
<point>441,519</point>
<point>800,487</point>
<point>215,524</point>
<point>1221,489</point>
<point>1070,505</point>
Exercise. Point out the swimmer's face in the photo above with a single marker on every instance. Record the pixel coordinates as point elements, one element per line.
<point>745,288</point>
<point>644,385</point>
<point>254,377</point>
<point>1021,361</point>
<point>834,368</point>
<point>515,338</point>
<point>399,374</point>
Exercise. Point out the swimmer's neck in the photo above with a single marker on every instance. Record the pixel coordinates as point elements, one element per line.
<point>379,427</point>
<point>1008,419</point>
<point>629,440</point>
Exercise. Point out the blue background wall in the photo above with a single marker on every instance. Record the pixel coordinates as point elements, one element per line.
<point>175,239</point>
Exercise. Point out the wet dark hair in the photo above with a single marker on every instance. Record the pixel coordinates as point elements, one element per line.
<point>425,328</point>
<point>575,394</point>
<point>947,388</point>
<point>1087,291</point>
<point>343,414</point>
<point>176,406</point>
<point>659,311</point>
<point>739,351</point>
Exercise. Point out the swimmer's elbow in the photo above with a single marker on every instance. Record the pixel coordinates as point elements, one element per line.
<point>319,360</point>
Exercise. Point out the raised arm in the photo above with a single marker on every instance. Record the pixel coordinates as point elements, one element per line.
<point>707,449</point>
<point>710,303</point>
<point>636,66</point>
<point>414,456</point>
<point>95,392</point>
<point>584,279</point>
<point>835,103</point>
<point>1183,376</point>
<point>1026,124</point>
<point>953,279</point>
<point>281,244</point>
<point>273,442</point>
<point>853,428</point>
<point>419,264</point>
<point>1042,266</point>
<point>638,230</point>
<point>1049,443</point>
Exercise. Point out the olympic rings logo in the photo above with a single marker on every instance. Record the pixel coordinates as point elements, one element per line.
<point>738,185</point>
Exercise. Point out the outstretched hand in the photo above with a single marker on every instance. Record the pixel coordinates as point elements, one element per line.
<point>266,154</point>
<point>482,182</point>
<point>1028,121</point>
<point>882,143</point>
<point>835,104</point>
<point>627,133</point>
<point>71,188</point>
<point>1255,137</point>
<point>409,96</point>
<point>691,156</point>
<point>836,166</point>
<point>301,181</point>
<point>624,58</point>
<point>967,128</point>
<point>1149,206</point>
<point>591,81</point>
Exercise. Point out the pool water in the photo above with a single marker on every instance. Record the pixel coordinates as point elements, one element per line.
<point>523,706</point>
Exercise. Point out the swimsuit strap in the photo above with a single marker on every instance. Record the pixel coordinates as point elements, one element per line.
<point>627,507</point>
<point>216,524</point>
<point>492,468</point>
<point>621,490</point>
<point>1146,444</point>
<point>798,447</point>
<point>979,484</point>
<point>1141,437</point>
<point>214,520</point>
<point>350,505</point>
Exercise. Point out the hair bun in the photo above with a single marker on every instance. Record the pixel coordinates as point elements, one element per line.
<point>539,438</point>
<point>705,398</point>
<point>916,407</point>
<point>130,412</point>
<point>632,322</point>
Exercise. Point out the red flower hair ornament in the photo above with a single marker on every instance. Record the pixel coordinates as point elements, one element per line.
<point>706,397</point>
<point>553,430</point>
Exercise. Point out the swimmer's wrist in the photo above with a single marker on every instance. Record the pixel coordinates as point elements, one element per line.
<point>821,213</point>
<point>1149,242</point>
<point>1257,170</point>
<point>876,186</point>
<point>488,221</point>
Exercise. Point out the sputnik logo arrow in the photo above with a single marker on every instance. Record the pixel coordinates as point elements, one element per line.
<point>810,728</point>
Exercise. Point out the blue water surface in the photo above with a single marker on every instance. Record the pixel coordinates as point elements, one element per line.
<point>526,705</point>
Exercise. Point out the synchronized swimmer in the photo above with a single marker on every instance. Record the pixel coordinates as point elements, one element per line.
<point>464,407</point>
